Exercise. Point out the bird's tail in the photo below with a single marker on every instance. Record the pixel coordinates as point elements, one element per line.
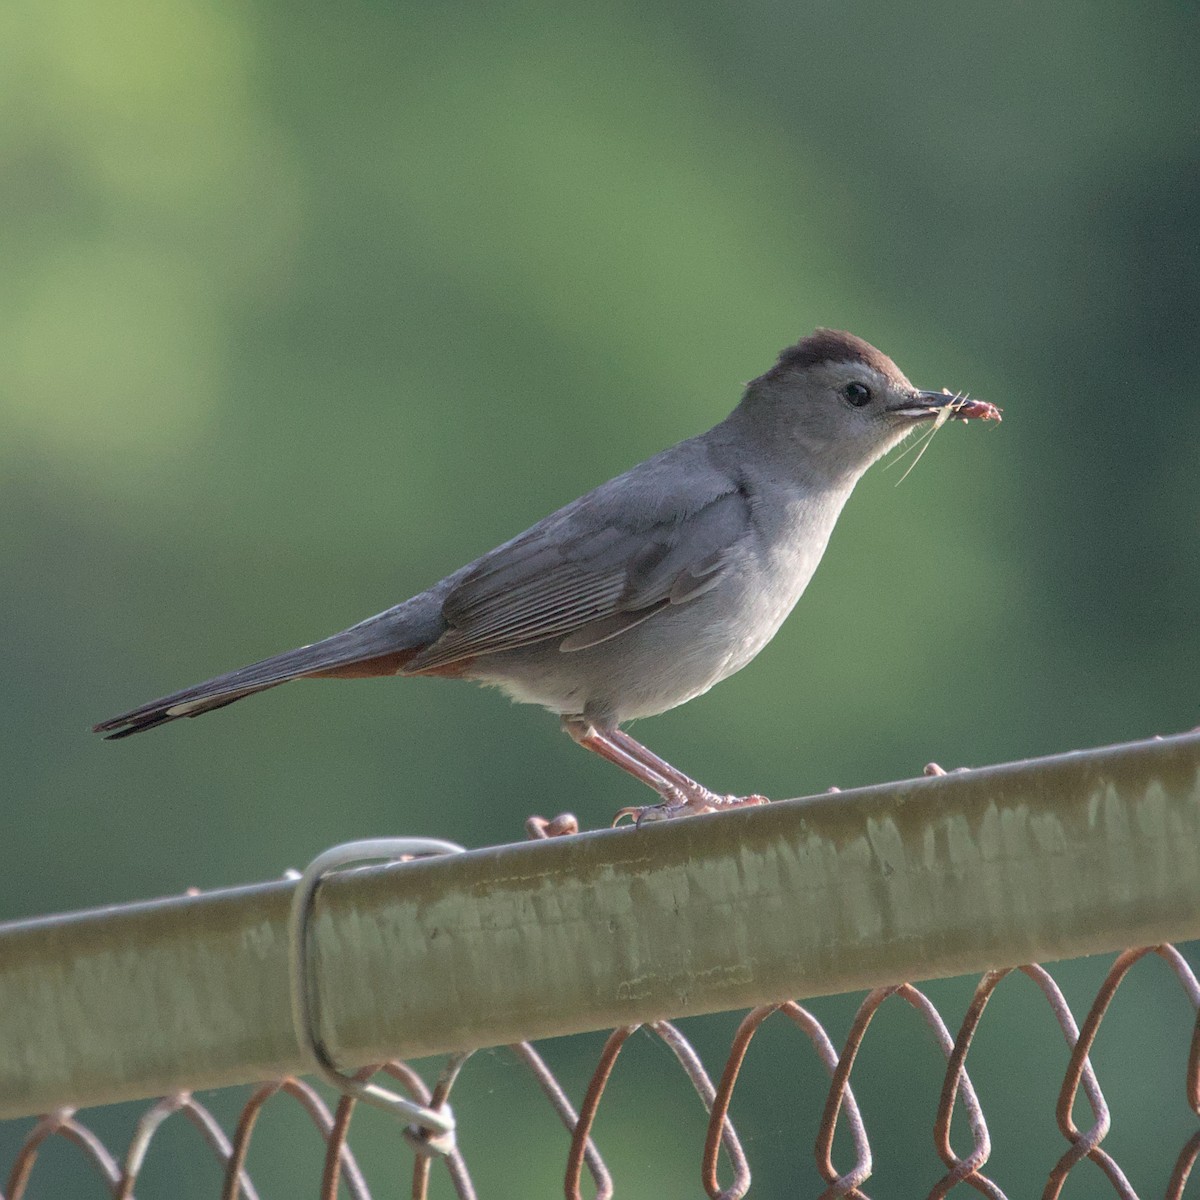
<point>367,649</point>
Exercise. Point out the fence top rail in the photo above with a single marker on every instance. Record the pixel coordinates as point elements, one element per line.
<point>1024,862</point>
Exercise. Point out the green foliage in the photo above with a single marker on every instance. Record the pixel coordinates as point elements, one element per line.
<point>302,307</point>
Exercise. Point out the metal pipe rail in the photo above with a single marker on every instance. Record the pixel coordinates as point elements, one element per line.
<point>1027,862</point>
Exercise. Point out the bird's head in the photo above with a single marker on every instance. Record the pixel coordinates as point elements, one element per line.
<point>841,404</point>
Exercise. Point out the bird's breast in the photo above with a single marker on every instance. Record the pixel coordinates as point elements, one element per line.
<point>683,650</point>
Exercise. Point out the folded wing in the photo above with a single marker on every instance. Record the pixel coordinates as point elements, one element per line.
<point>584,580</point>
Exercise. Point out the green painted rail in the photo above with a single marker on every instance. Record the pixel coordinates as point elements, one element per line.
<point>1033,861</point>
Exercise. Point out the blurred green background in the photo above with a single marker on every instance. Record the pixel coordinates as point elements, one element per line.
<point>302,306</point>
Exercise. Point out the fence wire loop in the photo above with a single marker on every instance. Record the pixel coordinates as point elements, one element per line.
<point>431,1127</point>
<point>426,1123</point>
<point>322,1119</point>
<point>120,1172</point>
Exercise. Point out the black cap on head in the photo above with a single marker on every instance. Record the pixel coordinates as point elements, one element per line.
<point>833,345</point>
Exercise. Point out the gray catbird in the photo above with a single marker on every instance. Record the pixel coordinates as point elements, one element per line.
<point>647,591</point>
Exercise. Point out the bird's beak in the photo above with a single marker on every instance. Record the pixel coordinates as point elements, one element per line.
<point>921,406</point>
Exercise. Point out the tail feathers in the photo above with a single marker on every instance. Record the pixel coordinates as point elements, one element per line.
<point>171,708</point>
<point>363,650</point>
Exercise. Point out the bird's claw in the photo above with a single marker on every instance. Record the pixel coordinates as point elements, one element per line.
<point>564,824</point>
<point>679,805</point>
<point>933,770</point>
<point>750,801</point>
<point>638,814</point>
<point>675,803</point>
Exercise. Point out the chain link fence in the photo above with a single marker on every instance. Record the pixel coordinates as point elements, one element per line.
<point>722,1165</point>
<point>57,1039</point>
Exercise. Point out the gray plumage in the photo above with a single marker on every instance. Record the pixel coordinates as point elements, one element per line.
<point>648,590</point>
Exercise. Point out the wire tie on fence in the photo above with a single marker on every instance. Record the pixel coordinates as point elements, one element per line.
<point>434,1127</point>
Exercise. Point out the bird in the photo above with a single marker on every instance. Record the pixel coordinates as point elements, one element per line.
<point>646,591</point>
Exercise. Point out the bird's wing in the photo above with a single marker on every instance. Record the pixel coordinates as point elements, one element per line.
<point>585,576</point>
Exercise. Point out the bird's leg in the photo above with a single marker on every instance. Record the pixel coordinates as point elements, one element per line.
<point>644,754</point>
<point>702,800</point>
<point>681,794</point>
<point>600,742</point>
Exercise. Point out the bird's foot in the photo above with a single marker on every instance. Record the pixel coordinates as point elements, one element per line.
<point>678,803</point>
<point>563,825</point>
<point>720,803</point>
<point>932,769</point>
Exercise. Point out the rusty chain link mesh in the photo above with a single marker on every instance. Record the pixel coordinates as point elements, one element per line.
<point>842,1151</point>
<point>722,1163</point>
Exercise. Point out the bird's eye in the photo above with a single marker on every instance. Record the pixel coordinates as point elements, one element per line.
<point>857,393</point>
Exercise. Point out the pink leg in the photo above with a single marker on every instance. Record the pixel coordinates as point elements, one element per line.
<point>681,794</point>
